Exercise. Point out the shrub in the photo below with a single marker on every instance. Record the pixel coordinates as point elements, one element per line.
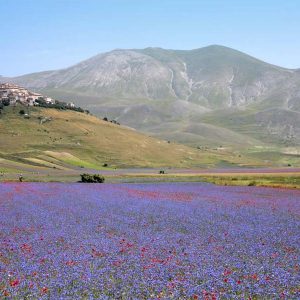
<point>92,178</point>
<point>105,165</point>
<point>161,172</point>
<point>114,122</point>
<point>6,102</point>
<point>252,183</point>
<point>58,105</point>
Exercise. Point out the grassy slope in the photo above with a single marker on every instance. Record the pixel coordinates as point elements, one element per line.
<point>74,139</point>
<point>270,149</point>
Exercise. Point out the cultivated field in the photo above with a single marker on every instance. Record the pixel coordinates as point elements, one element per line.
<point>148,241</point>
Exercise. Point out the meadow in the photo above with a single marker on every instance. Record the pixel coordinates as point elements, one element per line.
<point>148,241</point>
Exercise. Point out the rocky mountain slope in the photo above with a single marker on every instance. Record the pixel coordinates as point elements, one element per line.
<point>209,96</point>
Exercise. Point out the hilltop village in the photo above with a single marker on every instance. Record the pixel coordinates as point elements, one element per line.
<point>11,94</point>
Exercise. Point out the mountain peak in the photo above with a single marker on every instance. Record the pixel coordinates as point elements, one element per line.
<point>216,46</point>
<point>153,48</point>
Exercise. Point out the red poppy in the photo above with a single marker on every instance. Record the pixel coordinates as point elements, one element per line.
<point>70,263</point>
<point>227,272</point>
<point>44,290</point>
<point>254,277</point>
<point>14,283</point>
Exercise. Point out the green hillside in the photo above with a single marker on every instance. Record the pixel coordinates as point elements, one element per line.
<point>72,140</point>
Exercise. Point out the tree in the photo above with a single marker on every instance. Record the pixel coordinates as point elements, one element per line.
<point>92,178</point>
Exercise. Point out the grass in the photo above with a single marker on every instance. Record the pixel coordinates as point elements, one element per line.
<point>279,180</point>
<point>73,160</point>
<point>5,170</point>
<point>75,140</point>
<point>283,181</point>
<point>78,139</point>
<point>247,124</point>
<point>74,143</point>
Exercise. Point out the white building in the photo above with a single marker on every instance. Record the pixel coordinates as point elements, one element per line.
<point>49,100</point>
<point>71,104</point>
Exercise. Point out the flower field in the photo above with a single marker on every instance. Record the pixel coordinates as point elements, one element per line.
<point>148,241</point>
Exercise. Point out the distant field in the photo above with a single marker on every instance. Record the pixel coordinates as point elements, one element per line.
<point>288,178</point>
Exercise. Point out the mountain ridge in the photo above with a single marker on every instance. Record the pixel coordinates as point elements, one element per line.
<point>146,88</point>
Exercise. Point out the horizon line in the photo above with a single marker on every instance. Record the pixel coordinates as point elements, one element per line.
<point>151,47</point>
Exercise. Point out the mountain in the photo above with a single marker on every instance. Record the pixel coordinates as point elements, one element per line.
<point>204,97</point>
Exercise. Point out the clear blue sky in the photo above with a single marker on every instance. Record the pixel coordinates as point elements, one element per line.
<point>39,35</point>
